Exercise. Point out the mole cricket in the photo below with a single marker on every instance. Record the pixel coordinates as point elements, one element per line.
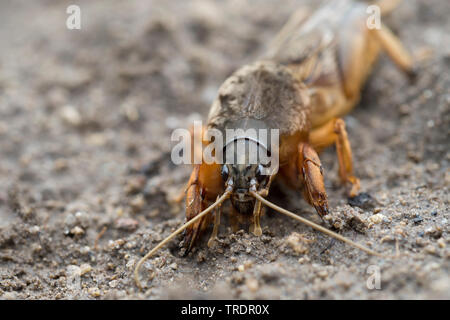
<point>311,75</point>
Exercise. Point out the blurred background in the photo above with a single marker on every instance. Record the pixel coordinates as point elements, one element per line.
<point>86,181</point>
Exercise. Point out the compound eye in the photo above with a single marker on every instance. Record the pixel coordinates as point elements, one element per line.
<point>259,172</point>
<point>224,173</point>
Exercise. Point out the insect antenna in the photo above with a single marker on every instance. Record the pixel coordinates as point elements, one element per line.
<point>179,230</point>
<point>315,226</point>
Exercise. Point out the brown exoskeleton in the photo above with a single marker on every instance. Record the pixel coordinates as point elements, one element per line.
<point>311,76</point>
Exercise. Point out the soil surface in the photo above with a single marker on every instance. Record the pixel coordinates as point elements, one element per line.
<point>87,186</point>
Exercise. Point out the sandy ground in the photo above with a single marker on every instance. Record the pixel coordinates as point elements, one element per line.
<point>86,181</point>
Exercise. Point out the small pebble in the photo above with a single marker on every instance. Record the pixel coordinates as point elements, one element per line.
<point>95,292</point>
<point>73,271</point>
<point>430,249</point>
<point>173,266</point>
<point>304,259</point>
<point>131,245</point>
<point>34,229</point>
<point>77,231</point>
<point>71,116</point>
<point>387,238</point>
<point>116,244</point>
<point>441,243</point>
<point>130,264</point>
<point>377,218</point>
<point>252,284</point>
<point>85,268</point>
<point>36,247</point>
<point>400,231</point>
<point>417,219</point>
<point>85,250</point>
